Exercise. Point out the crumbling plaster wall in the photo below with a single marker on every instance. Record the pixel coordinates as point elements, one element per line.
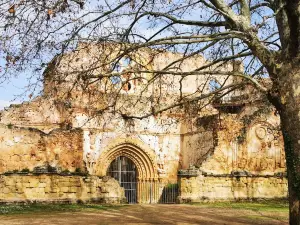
<point>69,148</point>
<point>87,56</point>
<point>28,148</point>
<point>40,113</point>
<point>247,141</point>
<point>216,143</point>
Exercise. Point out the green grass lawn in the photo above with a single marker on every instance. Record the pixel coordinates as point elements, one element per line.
<point>273,206</point>
<point>268,206</point>
<point>263,211</point>
<point>41,208</point>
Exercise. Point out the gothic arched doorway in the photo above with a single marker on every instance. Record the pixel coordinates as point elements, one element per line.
<point>125,172</point>
<point>137,157</point>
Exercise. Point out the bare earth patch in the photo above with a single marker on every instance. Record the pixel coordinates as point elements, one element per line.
<point>151,214</point>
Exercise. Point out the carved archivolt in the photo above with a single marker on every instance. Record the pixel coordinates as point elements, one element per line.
<point>142,156</point>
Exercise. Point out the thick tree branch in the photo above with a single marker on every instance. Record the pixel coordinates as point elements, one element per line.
<point>241,23</point>
<point>187,22</point>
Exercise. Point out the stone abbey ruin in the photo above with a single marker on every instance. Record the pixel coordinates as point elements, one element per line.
<point>94,139</point>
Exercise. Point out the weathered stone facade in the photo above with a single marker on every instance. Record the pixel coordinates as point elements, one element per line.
<point>28,148</point>
<point>231,188</point>
<point>56,188</point>
<point>249,141</point>
<point>63,129</point>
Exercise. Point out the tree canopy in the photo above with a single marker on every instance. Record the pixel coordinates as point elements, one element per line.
<point>264,35</point>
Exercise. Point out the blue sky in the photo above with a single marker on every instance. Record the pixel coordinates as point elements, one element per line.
<point>12,90</point>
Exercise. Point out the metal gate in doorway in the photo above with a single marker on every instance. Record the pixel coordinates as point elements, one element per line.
<point>140,191</point>
<point>169,194</point>
<point>124,171</point>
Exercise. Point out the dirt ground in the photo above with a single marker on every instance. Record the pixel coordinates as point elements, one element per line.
<point>149,214</point>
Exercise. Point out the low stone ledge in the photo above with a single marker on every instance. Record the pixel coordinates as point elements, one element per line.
<point>232,175</point>
<point>44,173</point>
<point>190,172</point>
<point>99,200</point>
<point>194,172</point>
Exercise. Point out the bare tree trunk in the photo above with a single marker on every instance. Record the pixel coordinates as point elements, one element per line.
<point>294,201</point>
<point>289,110</point>
<point>292,151</point>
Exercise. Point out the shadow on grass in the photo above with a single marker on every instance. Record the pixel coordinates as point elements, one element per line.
<point>43,208</point>
<point>268,210</point>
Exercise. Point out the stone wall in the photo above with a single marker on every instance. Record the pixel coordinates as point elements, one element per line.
<point>28,148</point>
<point>250,140</point>
<point>56,188</point>
<point>199,145</point>
<point>230,188</point>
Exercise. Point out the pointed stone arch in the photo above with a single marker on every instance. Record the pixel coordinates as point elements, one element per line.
<point>144,159</point>
<point>141,154</point>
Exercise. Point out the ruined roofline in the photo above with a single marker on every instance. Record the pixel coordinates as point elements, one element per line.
<point>85,46</point>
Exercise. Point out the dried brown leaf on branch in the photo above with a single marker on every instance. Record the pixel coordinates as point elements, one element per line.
<point>50,12</point>
<point>12,9</point>
<point>132,4</point>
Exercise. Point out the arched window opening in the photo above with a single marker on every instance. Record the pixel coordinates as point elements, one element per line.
<point>115,79</point>
<point>127,86</point>
<point>214,85</point>
<point>120,67</point>
<point>125,62</point>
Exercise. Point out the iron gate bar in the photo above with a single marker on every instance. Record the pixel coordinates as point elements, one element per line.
<point>125,172</point>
